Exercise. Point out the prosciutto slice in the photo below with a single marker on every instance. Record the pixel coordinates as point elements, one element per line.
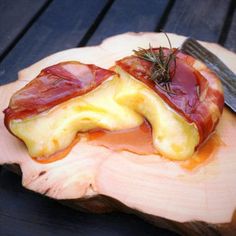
<point>195,91</point>
<point>54,85</point>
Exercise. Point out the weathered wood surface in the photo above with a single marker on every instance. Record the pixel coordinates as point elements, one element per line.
<point>15,18</point>
<point>132,15</point>
<point>44,27</point>
<point>202,20</point>
<point>61,26</point>
<point>230,42</point>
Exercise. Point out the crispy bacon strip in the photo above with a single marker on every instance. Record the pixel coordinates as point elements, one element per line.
<point>54,85</point>
<point>196,91</point>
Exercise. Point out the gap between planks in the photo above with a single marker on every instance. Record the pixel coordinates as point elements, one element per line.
<point>25,29</point>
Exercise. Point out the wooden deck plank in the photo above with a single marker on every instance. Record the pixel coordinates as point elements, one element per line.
<point>14,18</point>
<point>61,26</point>
<point>231,38</point>
<point>199,19</point>
<point>129,15</point>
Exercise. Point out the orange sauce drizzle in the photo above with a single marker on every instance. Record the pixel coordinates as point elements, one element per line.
<point>204,153</point>
<point>59,154</point>
<point>137,140</point>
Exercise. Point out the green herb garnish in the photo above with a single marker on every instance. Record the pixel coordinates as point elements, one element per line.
<point>160,71</point>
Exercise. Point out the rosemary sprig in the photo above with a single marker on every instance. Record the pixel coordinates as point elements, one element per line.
<point>160,70</point>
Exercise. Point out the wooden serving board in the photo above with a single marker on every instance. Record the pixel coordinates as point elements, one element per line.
<point>160,189</point>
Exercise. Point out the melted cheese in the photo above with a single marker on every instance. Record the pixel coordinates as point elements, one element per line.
<point>173,136</point>
<point>119,103</point>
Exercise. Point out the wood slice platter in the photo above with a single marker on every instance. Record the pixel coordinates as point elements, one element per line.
<point>201,201</point>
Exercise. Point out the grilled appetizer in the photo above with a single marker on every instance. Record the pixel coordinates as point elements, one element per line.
<point>176,95</point>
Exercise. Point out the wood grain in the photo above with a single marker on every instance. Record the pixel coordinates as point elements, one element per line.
<point>101,204</point>
<point>32,214</point>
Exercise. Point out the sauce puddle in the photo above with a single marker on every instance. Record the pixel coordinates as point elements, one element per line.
<point>58,155</point>
<point>137,140</point>
<point>204,153</point>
